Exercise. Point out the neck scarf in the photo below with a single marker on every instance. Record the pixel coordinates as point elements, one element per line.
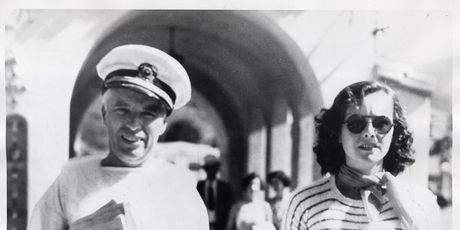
<point>351,178</point>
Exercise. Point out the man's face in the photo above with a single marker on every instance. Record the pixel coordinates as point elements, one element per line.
<point>134,122</point>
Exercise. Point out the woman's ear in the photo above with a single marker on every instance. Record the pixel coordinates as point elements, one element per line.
<point>103,112</point>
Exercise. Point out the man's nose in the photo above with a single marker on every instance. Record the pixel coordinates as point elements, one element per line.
<point>133,122</point>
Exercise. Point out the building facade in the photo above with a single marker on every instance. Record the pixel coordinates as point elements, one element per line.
<point>258,79</point>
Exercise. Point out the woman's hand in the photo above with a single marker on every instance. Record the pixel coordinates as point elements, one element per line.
<point>400,199</point>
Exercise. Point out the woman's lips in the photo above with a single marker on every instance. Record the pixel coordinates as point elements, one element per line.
<point>369,146</point>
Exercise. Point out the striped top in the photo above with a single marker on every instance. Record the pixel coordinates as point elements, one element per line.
<point>322,206</point>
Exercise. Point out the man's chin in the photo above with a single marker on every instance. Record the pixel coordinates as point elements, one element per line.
<point>133,160</point>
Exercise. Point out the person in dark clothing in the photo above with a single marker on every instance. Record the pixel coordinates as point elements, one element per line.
<point>217,194</point>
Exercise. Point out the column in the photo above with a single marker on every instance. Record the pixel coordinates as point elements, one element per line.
<point>257,143</point>
<point>280,139</point>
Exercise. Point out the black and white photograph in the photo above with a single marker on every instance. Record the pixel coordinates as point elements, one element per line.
<point>229,119</point>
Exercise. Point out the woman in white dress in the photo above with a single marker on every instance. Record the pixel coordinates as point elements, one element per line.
<point>280,183</point>
<point>253,212</point>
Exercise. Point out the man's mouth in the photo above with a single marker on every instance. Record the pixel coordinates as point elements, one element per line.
<point>131,138</point>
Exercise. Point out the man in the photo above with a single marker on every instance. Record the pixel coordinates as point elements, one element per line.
<point>217,194</point>
<point>128,189</point>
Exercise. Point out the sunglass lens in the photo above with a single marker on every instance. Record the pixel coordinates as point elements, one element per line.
<point>382,124</point>
<point>356,124</point>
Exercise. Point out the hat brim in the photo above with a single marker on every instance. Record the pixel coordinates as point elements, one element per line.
<point>140,86</point>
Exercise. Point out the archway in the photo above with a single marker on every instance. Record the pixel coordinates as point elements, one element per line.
<point>240,61</point>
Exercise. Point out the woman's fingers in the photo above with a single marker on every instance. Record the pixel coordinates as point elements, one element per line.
<point>394,190</point>
<point>401,202</point>
<point>388,177</point>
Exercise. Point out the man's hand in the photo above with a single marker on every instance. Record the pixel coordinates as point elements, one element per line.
<point>110,216</point>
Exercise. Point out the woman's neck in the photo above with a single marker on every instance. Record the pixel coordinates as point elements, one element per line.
<point>351,180</point>
<point>346,190</point>
<point>250,197</point>
<point>279,195</point>
<point>371,170</point>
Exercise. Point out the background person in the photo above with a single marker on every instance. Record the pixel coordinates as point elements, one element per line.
<point>280,183</point>
<point>363,143</point>
<point>142,86</point>
<point>253,212</point>
<point>217,194</point>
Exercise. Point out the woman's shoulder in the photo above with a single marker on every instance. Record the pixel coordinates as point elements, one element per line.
<point>316,186</point>
<point>317,190</point>
<point>237,205</point>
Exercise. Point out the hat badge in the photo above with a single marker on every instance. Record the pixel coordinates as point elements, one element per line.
<point>147,71</point>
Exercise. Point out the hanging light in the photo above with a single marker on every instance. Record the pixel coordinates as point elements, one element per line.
<point>172,48</point>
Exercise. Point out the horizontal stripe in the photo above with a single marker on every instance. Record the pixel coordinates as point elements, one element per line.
<point>301,192</point>
<point>385,203</point>
<point>334,199</point>
<point>341,229</point>
<point>332,219</point>
<point>323,201</point>
<point>336,209</point>
<point>305,190</point>
<point>351,229</point>
<point>313,195</point>
<point>391,218</point>
<point>386,210</point>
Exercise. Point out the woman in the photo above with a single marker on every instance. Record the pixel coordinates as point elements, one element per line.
<point>363,142</point>
<point>280,183</point>
<point>252,213</point>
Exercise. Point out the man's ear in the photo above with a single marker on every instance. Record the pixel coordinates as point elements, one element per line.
<point>163,128</point>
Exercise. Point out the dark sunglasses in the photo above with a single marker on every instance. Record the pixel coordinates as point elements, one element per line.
<point>357,123</point>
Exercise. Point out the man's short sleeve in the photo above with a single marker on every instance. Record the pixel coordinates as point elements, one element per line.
<point>48,212</point>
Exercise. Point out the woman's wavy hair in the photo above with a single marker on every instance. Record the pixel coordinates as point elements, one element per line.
<point>281,176</point>
<point>329,151</point>
<point>247,180</point>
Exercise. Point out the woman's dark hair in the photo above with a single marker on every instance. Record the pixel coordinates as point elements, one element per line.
<point>246,181</point>
<point>329,151</point>
<point>280,175</point>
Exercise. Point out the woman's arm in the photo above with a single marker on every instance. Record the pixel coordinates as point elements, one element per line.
<point>291,219</point>
<point>416,212</point>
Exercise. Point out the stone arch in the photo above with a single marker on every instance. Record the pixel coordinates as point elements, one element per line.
<point>240,61</point>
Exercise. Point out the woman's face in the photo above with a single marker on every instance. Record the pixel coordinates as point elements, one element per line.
<point>365,149</point>
<point>277,185</point>
<point>254,188</point>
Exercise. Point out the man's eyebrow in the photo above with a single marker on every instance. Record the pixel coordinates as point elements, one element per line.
<point>120,103</point>
<point>154,107</point>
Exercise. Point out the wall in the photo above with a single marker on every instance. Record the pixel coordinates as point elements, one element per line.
<point>50,52</point>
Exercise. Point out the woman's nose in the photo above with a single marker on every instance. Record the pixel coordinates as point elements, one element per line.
<point>369,131</point>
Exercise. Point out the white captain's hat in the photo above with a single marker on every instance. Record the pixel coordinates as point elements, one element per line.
<point>147,70</point>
